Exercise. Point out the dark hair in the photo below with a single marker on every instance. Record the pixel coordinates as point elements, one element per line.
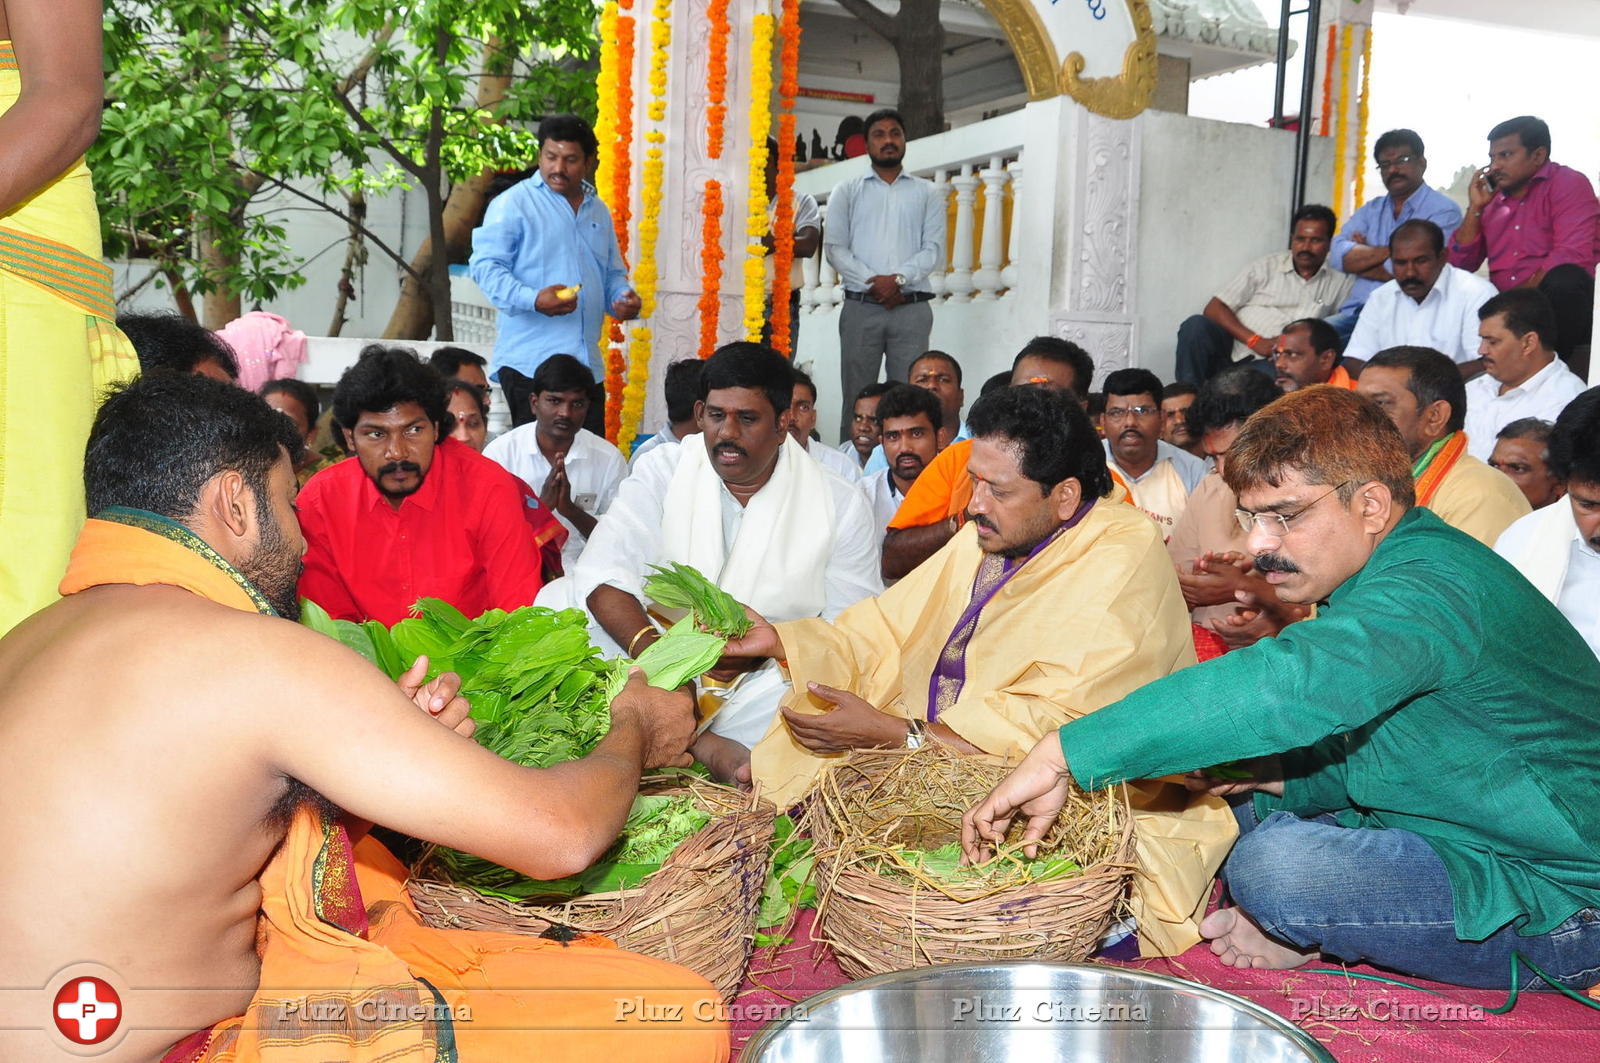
<point>449,360</point>
<point>749,365</point>
<point>1178,389</point>
<point>383,378</point>
<point>873,391</point>
<point>681,388</point>
<point>1532,132</point>
<point>941,357</point>
<point>1526,310</point>
<point>1420,227</point>
<point>1319,332</point>
<point>158,440</point>
<point>1052,432</point>
<point>1062,352</point>
<point>1534,428</point>
<point>1133,382</point>
<point>1575,440</point>
<point>562,372</point>
<point>172,341</point>
<point>299,391</point>
<point>803,378</point>
<point>1000,380</point>
<point>906,400</point>
<point>570,128</point>
<point>879,115</point>
<point>1316,212</point>
<point>1230,397</point>
<point>1396,138</point>
<point>1433,377</point>
<point>454,386</point>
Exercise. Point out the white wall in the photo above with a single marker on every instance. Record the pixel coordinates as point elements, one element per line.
<point>1213,196</point>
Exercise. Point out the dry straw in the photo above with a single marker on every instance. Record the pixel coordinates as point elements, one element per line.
<point>699,910</point>
<point>880,913</point>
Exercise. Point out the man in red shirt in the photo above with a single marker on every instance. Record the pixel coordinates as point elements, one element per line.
<point>1538,224</point>
<point>414,514</point>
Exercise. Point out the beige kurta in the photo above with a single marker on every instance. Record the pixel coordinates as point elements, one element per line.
<point>1208,525</point>
<point>1092,617</point>
<point>1479,500</point>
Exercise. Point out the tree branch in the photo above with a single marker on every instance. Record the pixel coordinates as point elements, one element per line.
<point>355,226</point>
<point>874,19</point>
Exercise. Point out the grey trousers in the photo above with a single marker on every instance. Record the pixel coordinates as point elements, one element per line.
<point>867,334</point>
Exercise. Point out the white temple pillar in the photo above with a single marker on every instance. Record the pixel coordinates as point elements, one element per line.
<point>987,278</point>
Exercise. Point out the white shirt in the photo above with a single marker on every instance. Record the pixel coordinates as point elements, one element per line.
<point>663,438</point>
<point>1578,596</point>
<point>1543,395</point>
<point>845,465</point>
<point>1446,319</point>
<point>885,496</point>
<point>594,469</point>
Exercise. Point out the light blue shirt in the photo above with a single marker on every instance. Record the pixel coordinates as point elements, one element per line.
<point>876,462</point>
<point>1190,469</point>
<point>530,239</point>
<point>877,228</point>
<point>1376,222</point>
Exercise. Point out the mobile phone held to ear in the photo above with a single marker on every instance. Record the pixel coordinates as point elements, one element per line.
<point>1489,180</point>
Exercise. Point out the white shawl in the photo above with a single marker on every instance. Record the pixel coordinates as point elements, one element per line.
<point>1540,546</point>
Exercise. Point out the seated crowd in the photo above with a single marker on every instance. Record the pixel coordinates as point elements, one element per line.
<point>1369,504</point>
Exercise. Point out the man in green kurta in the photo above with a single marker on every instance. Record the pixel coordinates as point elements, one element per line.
<point>1424,788</point>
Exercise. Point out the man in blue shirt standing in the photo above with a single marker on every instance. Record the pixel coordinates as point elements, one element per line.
<point>546,256</point>
<point>1362,246</point>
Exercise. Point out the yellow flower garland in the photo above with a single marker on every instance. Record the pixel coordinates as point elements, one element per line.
<point>605,131</point>
<point>646,274</point>
<point>1361,115</point>
<point>1341,143</point>
<point>756,225</point>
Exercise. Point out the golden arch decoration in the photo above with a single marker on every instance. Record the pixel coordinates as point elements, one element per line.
<point>1122,95</point>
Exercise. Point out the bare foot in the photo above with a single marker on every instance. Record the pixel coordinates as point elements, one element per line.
<point>1239,942</point>
<point>728,760</point>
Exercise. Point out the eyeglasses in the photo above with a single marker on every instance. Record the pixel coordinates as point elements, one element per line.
<point>1396,162</point>
<point>1277,524</point>
<point>1131,411</point>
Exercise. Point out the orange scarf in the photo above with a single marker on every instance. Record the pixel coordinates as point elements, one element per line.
<point>130,546</point>
<point>1435,465</point>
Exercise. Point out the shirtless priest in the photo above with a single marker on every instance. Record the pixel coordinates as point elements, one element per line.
<point>172,751</point>
<point>1055,601</point>
<point>744,504</point>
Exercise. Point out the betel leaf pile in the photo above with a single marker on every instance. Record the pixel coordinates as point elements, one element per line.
<point>712,608</point>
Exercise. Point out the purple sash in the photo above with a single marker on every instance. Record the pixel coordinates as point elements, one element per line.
<point>994,571</point>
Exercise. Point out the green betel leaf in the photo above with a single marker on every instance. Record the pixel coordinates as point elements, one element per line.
<point>680,655</point>
<point>680,586</point>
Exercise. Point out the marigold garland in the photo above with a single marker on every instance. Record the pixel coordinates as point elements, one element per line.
<point>1327,78</point>
<point>717,77</point>
<point>783,224</point>
<point>1361,116</point>
<point>605,131</point>
<point>756,224</point>
<point>1341,143</point>
<point>710,267</point>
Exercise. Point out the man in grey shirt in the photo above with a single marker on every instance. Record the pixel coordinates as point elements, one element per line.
<point>884,236</point>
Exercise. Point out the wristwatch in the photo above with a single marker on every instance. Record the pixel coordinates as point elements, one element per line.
<point>900,279</point>
<point>916,733</point>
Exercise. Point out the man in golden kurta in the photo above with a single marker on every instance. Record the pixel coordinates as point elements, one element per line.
<point>1054,601</point>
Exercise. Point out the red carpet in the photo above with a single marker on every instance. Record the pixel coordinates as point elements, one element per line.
<point>1354,1019</point>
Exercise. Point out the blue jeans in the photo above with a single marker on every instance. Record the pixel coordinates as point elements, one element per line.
<point>1344,324</point>
<point>1382,897</point>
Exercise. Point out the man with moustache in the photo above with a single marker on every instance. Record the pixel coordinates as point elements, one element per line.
<point>1558,547</point>
<point>1429,303</point>
<point>1522,452</point>
<point>1241,320</point>
<point>1053,600</point>
<point>910,419</point>
<point>417,514</point>
<point>1157,474</point>
<point>1307,353</point>
<point>1411,765</point>
<point>1176,400</point>
<point>227,762</point>
<point>1425,399</point>
<point>744,504</point>
<point>1522,377</point>
<point>939,373</point>
<point>1362,247</point>
<point>575,471</point>
<point>802,422</point>
<point>862,442</point>
<point>885,235</point>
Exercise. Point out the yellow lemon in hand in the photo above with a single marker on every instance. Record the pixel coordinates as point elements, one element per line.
<point>568,293</point>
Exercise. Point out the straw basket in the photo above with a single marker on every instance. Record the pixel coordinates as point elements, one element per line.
<point>868,810</point>
<point>698,910</point>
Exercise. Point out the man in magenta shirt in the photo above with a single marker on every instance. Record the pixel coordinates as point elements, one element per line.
<point>1538,224</point>
<point>415,514</point>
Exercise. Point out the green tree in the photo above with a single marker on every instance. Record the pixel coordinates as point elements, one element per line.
<point>327,104</point>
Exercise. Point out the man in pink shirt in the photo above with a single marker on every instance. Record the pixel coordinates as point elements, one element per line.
<point>1538,224</point>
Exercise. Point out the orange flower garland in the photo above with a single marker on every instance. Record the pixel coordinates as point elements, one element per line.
<point>783,224</point>
<point>717,77</point>
<point>1327,78</point>
<point>605,131</point>
<point>710,267</point>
